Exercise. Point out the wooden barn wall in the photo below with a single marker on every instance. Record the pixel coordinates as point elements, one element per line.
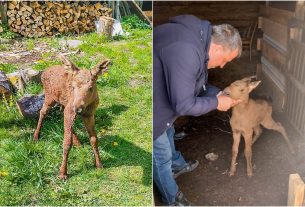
<point>282,67</point>
<point>295,107</point>
<point>239,14</point>
<point>274,51</point>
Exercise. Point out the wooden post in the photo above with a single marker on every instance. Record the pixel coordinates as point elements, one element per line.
<point>3,10</point>
<point>259,44</point>
<point>296,190</point>
<point>139,12</point>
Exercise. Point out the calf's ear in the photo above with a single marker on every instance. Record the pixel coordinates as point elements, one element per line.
<point>248,79</point>
<point>100,68</point>
<point>253,85</point>
<point>68,64</point>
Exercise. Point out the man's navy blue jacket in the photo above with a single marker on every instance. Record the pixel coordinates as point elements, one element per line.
<point>180,57</point>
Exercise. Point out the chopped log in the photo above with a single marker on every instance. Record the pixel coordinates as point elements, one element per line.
<point>29,106</point>
<point>105,25</point>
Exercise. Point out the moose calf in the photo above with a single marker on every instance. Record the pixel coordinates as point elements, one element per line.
<point>246,119</point>
<point>76,90</point>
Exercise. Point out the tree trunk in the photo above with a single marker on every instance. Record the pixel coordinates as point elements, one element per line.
<point>3,10</point>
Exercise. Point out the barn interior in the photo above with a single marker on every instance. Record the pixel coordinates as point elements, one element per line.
<point>274,51</point>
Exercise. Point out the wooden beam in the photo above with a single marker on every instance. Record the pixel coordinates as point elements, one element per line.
<point>295,191</point>
<point>259,71</point>
<point>139,12</point>
<point>259,44</point>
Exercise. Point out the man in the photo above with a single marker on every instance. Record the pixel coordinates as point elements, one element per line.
<point>183,50</point>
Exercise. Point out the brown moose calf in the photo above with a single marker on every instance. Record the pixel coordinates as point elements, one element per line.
<point>246,119</point>
<point>76,90</point>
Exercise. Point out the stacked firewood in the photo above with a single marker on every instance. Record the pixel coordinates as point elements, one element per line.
<point>38,18</point>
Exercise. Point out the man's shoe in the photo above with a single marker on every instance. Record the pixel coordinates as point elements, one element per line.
<point>190,166</point>
<point>180,200</point>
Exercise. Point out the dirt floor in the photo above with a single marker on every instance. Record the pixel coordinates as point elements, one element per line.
<point>209,183</point>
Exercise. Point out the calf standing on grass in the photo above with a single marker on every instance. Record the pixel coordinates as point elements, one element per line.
<point>246,119</point>
<point>76,90</point>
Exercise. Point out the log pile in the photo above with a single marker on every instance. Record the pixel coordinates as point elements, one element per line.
<point>39,19</point>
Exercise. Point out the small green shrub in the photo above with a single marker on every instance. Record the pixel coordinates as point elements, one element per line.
<point>7,34</point>
<point>133,22</point>
<point>4,47</point>
<point>30,44</point>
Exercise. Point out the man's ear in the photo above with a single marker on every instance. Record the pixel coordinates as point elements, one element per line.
<point>68,64</point>
<point>253,85</point>
<point>100,68</point>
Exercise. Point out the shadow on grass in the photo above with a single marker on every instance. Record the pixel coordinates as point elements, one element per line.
<point>128,154</point>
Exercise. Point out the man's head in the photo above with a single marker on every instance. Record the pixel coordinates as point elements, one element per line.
<point>225,45</point>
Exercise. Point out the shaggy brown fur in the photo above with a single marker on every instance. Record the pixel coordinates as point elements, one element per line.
<point>247,118</point>
<point>76,90</point>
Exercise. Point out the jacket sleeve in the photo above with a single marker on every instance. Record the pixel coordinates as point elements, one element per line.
<point>211,90</point>
<point>181,63</point>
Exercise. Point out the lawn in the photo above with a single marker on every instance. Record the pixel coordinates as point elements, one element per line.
<point>29,170</point>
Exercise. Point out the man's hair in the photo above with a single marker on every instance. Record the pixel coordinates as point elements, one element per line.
<point>227,36</point>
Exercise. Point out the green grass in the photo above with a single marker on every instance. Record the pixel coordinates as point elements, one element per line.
<point>29,170</point>
<point>30,44</point>
<point>8,68</point>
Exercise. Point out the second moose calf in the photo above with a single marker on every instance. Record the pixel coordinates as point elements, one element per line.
<point>246,119</point>
<point>76,90</point>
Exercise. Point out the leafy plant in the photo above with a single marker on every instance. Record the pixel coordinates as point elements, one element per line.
<point>133,22</point>
<point>6,33</point>
<point>30,44</point>
<point>4,47</point>
<point>8,68</point>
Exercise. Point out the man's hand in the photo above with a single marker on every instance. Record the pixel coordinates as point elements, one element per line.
<point>225,102</point>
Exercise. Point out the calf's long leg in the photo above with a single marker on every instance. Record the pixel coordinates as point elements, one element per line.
<point>48,103</point>
<point>236,140</point>
<point>257,132</point>
<point>89,124</point>
<point>75,140</point>
<point>69,116</point>
<point>248,151</point>
<point>269,123</point>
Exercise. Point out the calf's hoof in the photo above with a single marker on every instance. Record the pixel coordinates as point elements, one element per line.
<point>250,174</point>
<point>63,177</point>
<point>36,135</point>
<point>231,173</point>
<point>99,166</point>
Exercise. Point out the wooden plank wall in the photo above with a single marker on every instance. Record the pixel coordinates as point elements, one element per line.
<point>295,109</point>
<point>274,51</point>
<point>240,14</point>
<point>282,68</point>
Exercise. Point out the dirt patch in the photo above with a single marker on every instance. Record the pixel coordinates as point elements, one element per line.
<point>210,184</point>
<point>20,54</point>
